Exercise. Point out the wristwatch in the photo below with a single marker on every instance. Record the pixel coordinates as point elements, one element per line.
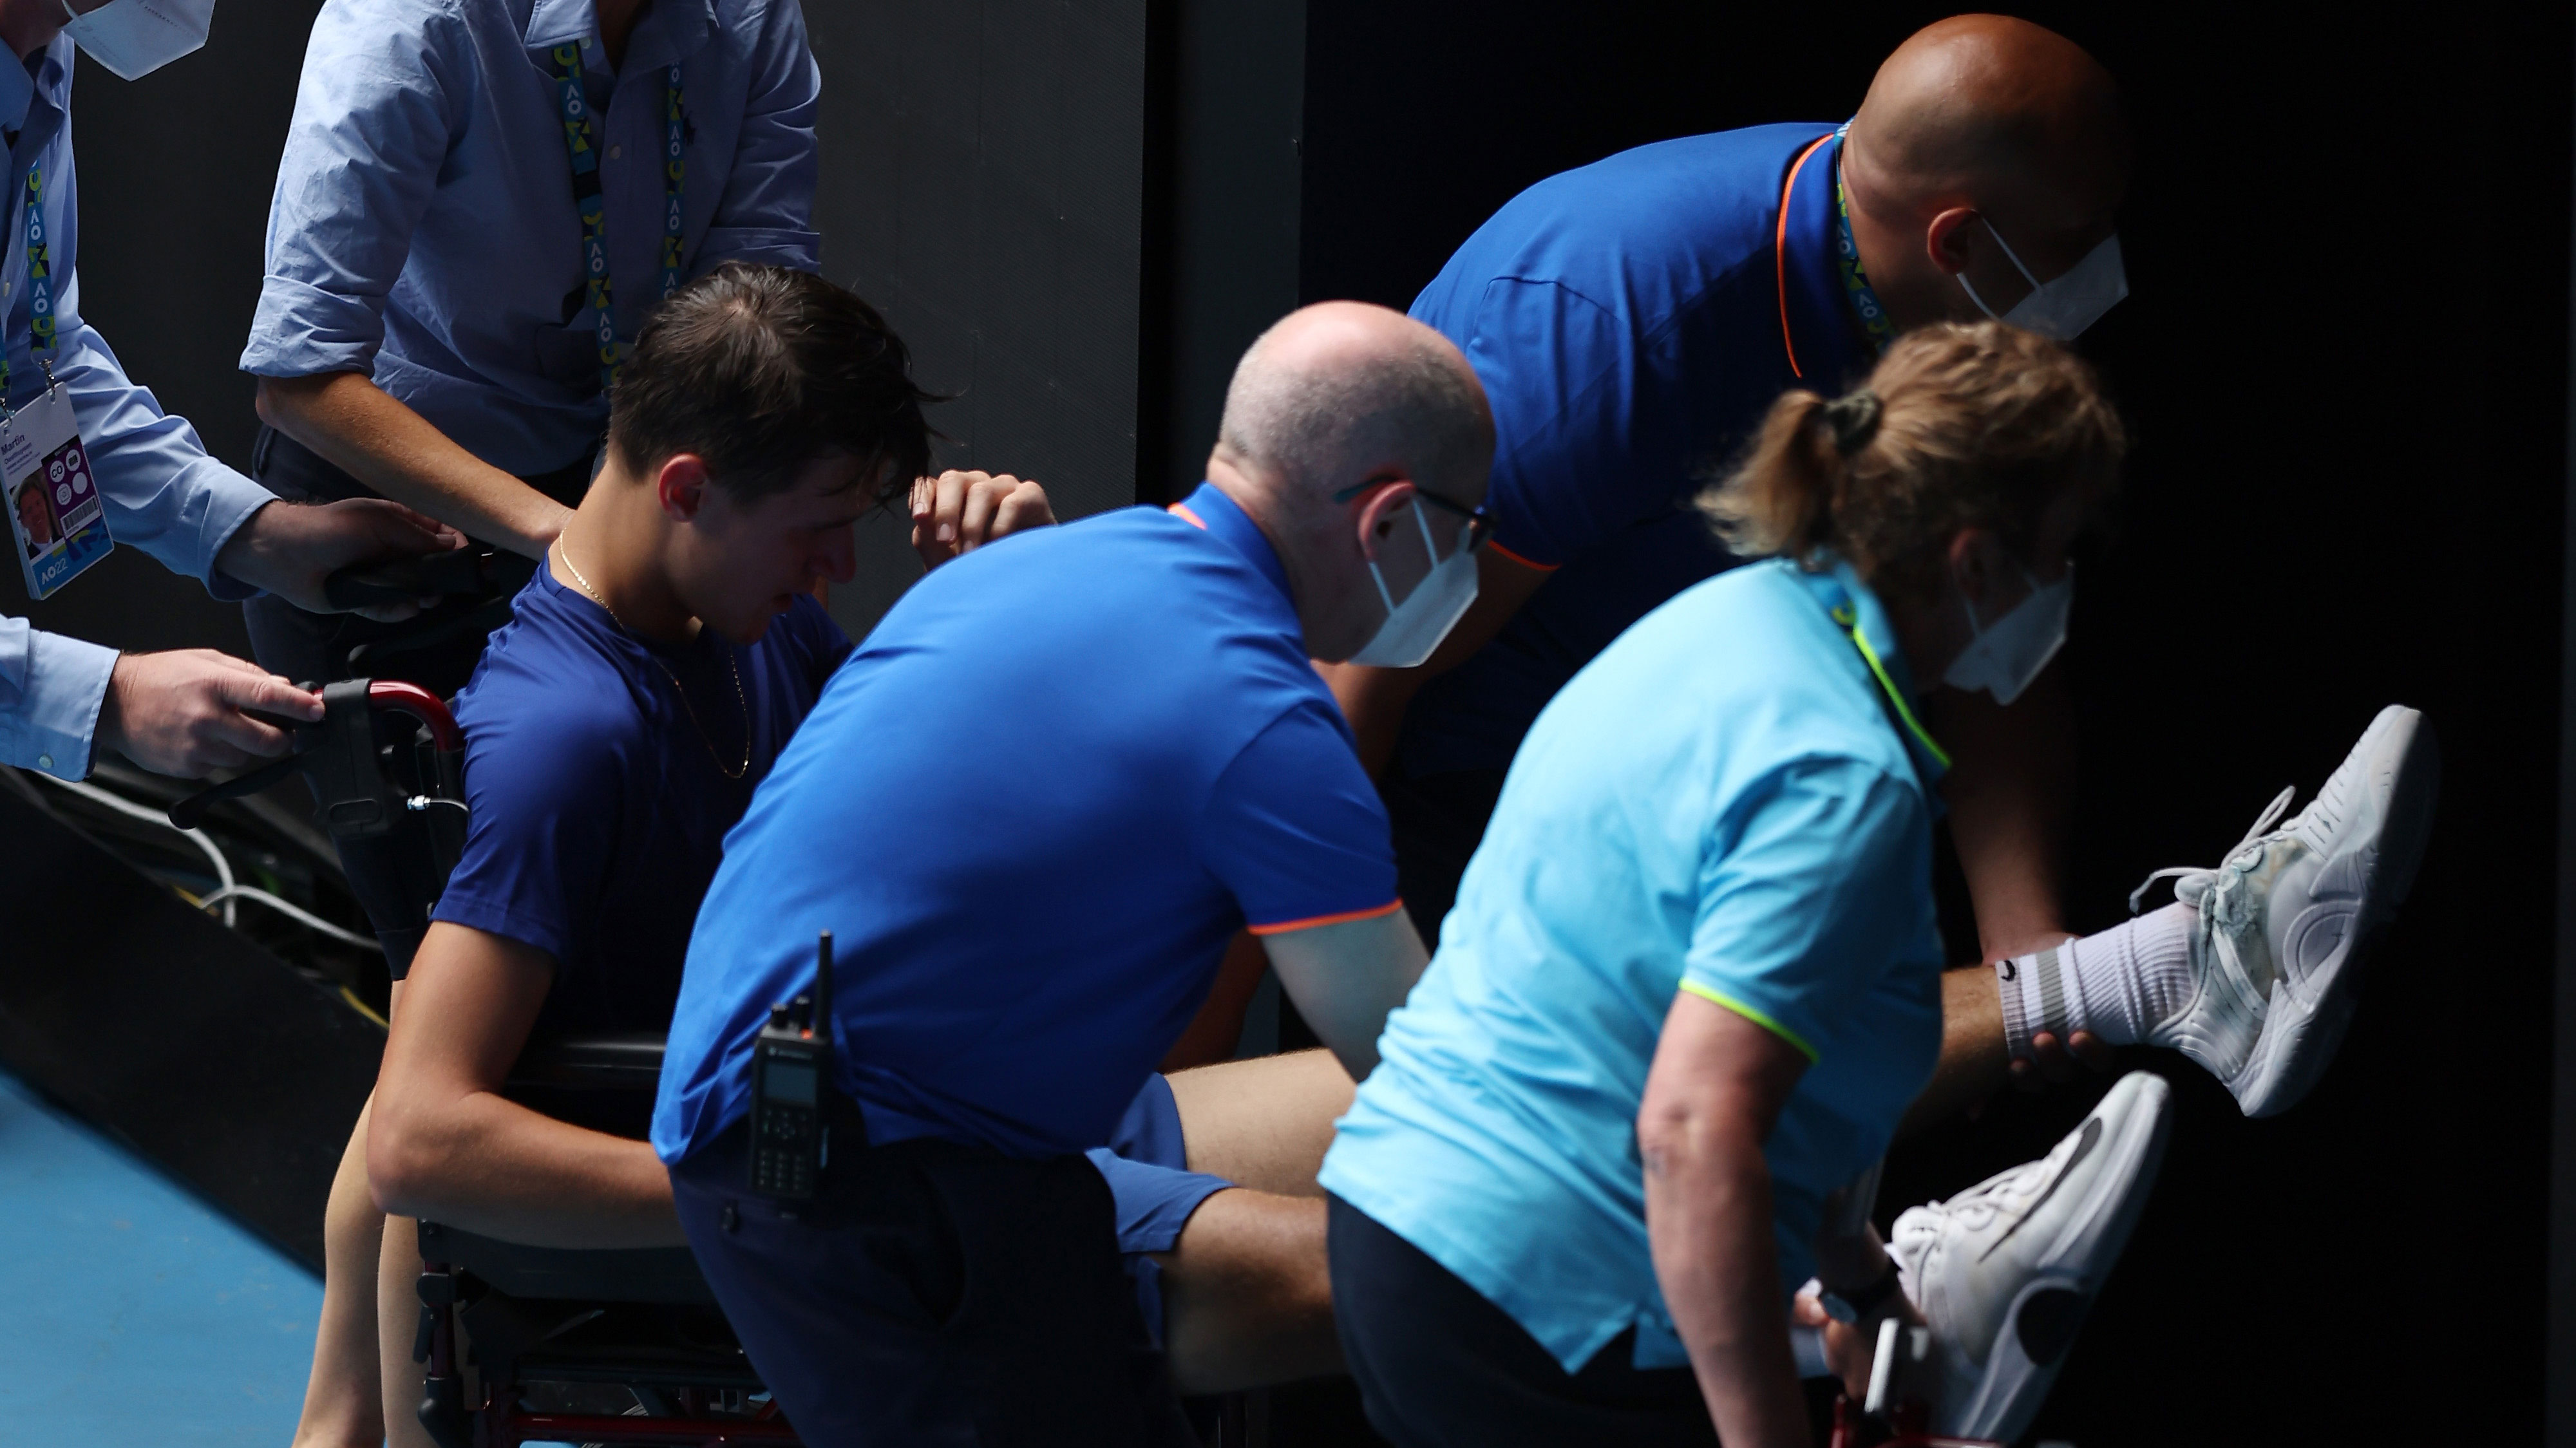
<point>1850,1307</point>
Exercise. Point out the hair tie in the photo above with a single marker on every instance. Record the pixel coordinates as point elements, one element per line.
<point>1853,419</point>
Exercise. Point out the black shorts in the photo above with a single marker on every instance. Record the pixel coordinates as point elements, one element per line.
<point>1440,1367</point>
<point>314,647</point>
<point>937,1294</point>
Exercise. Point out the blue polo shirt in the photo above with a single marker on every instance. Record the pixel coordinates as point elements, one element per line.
<point>424,230</point>
<point>599,794</point>
<point>1749,825</point>
<point>1631,321</point>
<point>1032,809</point>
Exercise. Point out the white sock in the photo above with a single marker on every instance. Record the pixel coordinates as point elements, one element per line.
<point>2118,985</point>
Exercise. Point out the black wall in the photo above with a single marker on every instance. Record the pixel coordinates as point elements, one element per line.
<point>2346,361</point>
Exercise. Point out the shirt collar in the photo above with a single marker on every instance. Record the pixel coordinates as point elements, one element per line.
<point>1813,310</point>
<point>1212,510</point>
<point>669,30</point>
<point>1855,609</point>
<point>18,87</point>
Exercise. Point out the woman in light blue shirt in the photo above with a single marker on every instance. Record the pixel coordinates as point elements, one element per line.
<point>1692,979</point>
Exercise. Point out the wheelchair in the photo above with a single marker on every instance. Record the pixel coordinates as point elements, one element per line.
<point>610,1347</point>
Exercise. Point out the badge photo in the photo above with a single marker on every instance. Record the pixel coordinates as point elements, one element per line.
<point>54,507</point>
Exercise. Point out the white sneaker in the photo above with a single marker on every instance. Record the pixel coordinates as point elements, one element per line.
<point>2003,1272</point>
<point>2283,923</point>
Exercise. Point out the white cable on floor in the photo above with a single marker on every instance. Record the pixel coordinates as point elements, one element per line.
<point>291,910</point>
<point>127,807</point>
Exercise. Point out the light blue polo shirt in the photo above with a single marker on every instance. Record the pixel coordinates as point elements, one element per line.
<point>1722,802</point>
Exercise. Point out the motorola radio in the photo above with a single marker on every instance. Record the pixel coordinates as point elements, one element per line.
<point>791,1075</point>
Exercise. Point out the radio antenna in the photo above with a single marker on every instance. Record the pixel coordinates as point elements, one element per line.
<point>823,988</point>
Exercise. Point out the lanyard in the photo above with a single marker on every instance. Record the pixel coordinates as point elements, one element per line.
<point>40,287</point>
<point>1845,615</point>
<point>581,139</point>
<point>1864,302</point>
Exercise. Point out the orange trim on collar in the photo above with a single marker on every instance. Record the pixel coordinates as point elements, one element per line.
<point>1523,562</point>
<point>1311,921</point>
<point>1194,520</point>
<point>1780,253</point>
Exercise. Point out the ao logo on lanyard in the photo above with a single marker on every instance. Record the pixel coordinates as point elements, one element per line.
<point>54,508</point>
<point>581,139</point>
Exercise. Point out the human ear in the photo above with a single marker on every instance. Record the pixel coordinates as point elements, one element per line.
<point>1977,566</point>
<point>681,486</point>
<point>1945,241</point>
<point>1381,510</point>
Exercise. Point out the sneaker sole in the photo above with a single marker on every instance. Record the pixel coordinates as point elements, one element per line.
<point>2302,1032</point>
<point>2137,1116</point>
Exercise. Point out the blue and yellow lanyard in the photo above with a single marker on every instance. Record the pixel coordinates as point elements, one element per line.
<point>581,138</point>
<point>40,289</point>
<point>1849,618</point>
<point>1864,302</point>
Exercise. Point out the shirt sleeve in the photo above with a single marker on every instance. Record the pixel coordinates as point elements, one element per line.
<point>1294,829</point>
<point>1802,896</point>
<point>547,797</point>
<point>1572,405</point>
<point>51,688</point>
<point>373,119</point>
<point>766,214</point>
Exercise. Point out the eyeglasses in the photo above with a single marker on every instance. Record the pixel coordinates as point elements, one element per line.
<point>1480,526</point>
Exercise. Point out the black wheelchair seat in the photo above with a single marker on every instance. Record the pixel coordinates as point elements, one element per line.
<point>530,1320</point>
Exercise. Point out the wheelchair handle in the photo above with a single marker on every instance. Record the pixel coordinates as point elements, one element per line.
<point>392,694</point>
<point>458,570</point>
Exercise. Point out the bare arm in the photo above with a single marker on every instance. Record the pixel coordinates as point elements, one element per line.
<point>444,1145</point>
<point>1715,1090</point>
<point>1374,699</point>
<point>382,443</point>
<point>1345,979</point>
<point>2010,791</point>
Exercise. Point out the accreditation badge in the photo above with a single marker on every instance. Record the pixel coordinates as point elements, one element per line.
<point>54,511</point>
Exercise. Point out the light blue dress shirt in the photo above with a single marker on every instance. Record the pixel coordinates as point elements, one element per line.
<point>163,494</point>
<point>424,229</point>
<point>1722,802</point>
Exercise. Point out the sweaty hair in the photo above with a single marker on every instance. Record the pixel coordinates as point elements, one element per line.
<point>1959,426</point>
<point>1410,399</point>
<point>762,371</point>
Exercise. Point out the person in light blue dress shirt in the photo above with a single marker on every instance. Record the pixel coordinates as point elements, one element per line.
<point>425,331</point>
<point>62,698</point>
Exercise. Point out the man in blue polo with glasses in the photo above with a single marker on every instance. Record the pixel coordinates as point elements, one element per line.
<point>477,206</point>
<point>1632,319</point>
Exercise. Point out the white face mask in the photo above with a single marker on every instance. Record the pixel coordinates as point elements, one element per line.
<point>2004,658</point>
<point>2065,307</point>
<point>133,38</point>
<point>1415,627</point>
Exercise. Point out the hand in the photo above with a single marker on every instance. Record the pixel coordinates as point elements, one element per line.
<point>958,512</point>
<point>181,712</point>
<point>1851,1349</point>
<point>2054,1061</point>
<point>289,548</point>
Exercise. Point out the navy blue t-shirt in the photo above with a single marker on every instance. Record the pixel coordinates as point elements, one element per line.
<point>1032,809</point>
<point>599,805</point>
<point>1631,321</point>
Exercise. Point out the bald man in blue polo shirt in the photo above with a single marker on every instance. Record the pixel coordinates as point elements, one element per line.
<point>1630,322</point>
<point>1033,809</point>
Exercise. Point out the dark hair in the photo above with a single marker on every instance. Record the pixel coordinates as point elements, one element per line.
<point>1960,426</point>
<point>761,370</point>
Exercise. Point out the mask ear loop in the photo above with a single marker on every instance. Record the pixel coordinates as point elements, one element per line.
<point>1430,546</point>
<point>2036,286</point>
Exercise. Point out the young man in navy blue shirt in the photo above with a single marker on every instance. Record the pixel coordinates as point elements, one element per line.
<point>615,730</point>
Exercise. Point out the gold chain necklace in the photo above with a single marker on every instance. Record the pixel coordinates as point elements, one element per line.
<point>739,697</point>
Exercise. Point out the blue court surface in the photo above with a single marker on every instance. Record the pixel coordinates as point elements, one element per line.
<point>136,1313</point>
